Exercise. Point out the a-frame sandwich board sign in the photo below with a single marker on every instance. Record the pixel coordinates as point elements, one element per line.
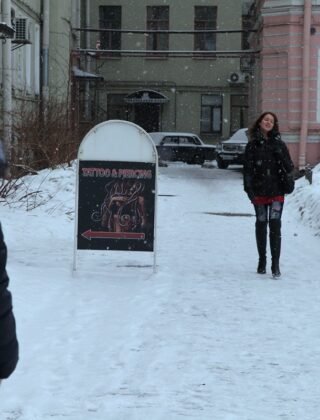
<point>116,190</point>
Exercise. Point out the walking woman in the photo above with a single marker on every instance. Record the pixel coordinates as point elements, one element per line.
<point>266,156</point>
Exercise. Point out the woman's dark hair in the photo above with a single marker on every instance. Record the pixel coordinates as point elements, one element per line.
<point>256,125</point>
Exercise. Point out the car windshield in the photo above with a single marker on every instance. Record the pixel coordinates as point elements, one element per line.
<point>239,136</point>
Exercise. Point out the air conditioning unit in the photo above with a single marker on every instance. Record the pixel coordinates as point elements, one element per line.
<point>238,78</point>
<point>21,27</point>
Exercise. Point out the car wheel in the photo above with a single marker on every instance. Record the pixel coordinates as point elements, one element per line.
<point>198,160</point>
<point>221,163</point>
<point>162,163</point>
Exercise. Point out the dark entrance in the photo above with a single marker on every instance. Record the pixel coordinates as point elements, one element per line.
<point>147,116</point>
<point>147,108</point>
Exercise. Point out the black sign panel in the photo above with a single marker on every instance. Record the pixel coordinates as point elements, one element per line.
<point>116,206</point>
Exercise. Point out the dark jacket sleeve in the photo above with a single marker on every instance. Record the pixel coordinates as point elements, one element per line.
<point>248,171</point>
<point>8,338</point>
<point>287,161</point>
<point>283,157</point>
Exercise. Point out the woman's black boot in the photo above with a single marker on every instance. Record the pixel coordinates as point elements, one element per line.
<point>275,269</point>
<point>261,237</point>
<point>275,246</point>
<point>262,266</point>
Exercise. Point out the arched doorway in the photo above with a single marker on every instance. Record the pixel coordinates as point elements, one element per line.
<point>147,108</point>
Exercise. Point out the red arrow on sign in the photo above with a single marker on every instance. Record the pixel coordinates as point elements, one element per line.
<point>91,234</point>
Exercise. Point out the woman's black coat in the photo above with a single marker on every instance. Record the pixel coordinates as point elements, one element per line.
<point>264,162</point>
<point>8,339</point>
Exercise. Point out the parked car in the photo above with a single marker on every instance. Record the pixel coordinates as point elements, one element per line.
<point>231,151</point>
<point>184,147</point>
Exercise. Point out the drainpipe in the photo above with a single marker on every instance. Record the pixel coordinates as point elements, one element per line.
<point>87,102</point>
<point>78,18</point>
<point>7,82</point>
<point>45,53</point>
<point>75,61</point>
<point>305,83</point>
<point>76,23</point>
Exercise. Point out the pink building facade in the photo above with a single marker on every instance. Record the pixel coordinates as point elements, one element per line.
<point>286,78</point>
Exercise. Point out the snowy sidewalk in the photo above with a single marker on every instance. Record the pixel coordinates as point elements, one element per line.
<point>206,338</point>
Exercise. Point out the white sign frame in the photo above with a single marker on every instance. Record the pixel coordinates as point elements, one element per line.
<point>117,141</point>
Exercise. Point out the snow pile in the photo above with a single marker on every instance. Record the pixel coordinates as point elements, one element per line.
<point>51,189</point>
<point>305,201</point>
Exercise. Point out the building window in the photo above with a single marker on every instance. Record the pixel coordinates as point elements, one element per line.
<point>158,19</point>
<point>211,114</point>
<point>246,26</point>
<point>117,109</point>
<point>110,18</point>
<point>205,17</point>
<point>238,112</point>
<point>28,61</point>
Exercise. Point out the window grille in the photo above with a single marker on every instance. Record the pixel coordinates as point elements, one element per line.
<point>21,28</point>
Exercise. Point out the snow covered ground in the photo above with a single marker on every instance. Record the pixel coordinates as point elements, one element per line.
<point>204,338</point>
